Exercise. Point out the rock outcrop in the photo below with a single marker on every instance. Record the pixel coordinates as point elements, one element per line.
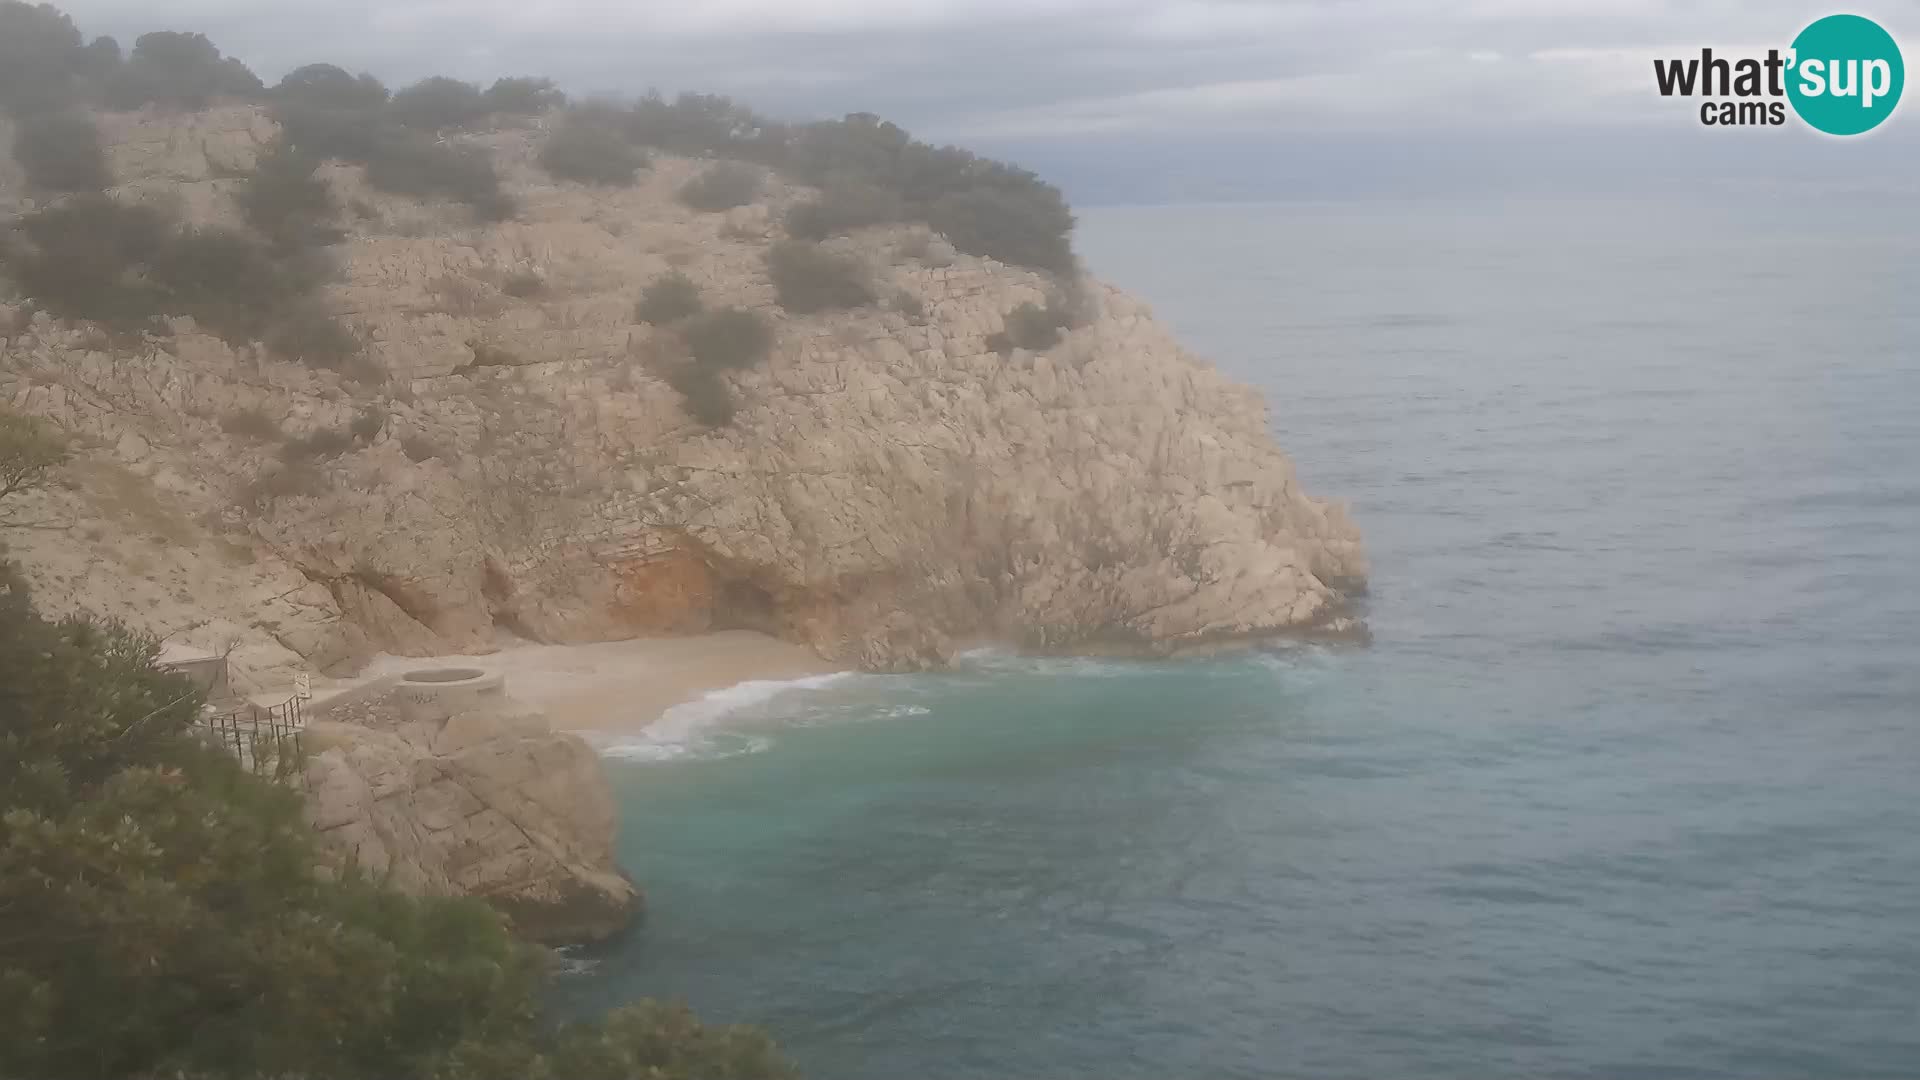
<point>439,792</point>
<point>890,486</point>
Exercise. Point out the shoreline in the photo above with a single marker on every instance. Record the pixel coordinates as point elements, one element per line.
<point>622,686</point>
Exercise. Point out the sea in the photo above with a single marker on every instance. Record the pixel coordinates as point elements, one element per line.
<point>1626,785</point>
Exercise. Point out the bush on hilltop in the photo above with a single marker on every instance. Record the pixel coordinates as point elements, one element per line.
<point>722,187</point>
<point>329,87</point>
<point>60,151</point>
<point>179,71</point>
<point>843,206</point>
<point>287,203</point>
<point>42,59</point>
<point>668,298</point>
<point>438,102</point>
<point>728,338</point>
<point>523,96</point>
<point>1031,326</point>
<point>587,151</point>
<point>425,169</point>
<point>704,393</point>
<point>807,278</point>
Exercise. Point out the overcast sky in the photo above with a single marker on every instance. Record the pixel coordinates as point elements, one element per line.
<point>1346,93</point>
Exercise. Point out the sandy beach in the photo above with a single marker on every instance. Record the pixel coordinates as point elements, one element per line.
<point>626,685</point>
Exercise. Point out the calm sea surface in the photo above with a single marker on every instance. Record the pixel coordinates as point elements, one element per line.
<point>1628,784</point>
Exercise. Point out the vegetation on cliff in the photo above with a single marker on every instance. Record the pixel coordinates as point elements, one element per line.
<point>869,171</point>
<point>163,912</point>
<point>88,256</point>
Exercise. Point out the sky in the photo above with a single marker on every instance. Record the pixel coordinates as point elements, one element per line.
<point>1133,100</point>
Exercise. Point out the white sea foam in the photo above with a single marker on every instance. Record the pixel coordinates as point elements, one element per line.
<point>689,729</point>
<point>568,962</point>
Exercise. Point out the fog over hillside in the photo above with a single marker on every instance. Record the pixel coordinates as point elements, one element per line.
<point>1129,101</point>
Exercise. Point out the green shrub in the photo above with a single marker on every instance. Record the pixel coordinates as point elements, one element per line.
<point>322,131</point>
<point>1020,225</point>
<point>251,423</point>
<point>228,281</point>
<point>665,1041</point>
<point>697,124</point>
<point>40,55</point>
<point>29,448</point>
<point>842,207</point>
<point>60,151</point>
<point>86,259</point>
<point>424,169</point>
<point>984,207</point>
<point>327,86</point>
<point>591,153</point>
<point>807,278</point>
<point>287,203</point>
<point>181,71</point>
<point>326,113</point>
<point>436,103</point>
<point>670,297</point>
<point>722,187</point>
<point>92,258</point>
<point>167,918</point>
<point>705,394</point>
<point>728,338</point>
<point>1031,326</point>
<point>523,96</point>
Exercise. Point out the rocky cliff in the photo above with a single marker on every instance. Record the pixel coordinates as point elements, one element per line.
<point>890,486</point>
<point>456,789</point>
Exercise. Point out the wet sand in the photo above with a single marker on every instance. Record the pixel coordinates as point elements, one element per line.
<point>626,685</point>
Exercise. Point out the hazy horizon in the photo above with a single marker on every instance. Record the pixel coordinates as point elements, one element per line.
<point>1124,101</point>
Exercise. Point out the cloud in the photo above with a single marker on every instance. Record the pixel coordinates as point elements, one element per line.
<point>1040,70</point>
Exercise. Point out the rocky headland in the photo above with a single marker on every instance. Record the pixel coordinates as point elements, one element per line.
<point>511,454</point>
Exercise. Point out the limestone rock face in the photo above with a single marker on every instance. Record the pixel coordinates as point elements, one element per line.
<point>889,487</point>
<point>474,797</point>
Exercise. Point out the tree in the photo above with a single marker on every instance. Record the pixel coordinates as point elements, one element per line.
<point>29,449</point>
<point>728,338</point>
<point>1026,225</point>
<point>327,86</point>
<point>160,913</point>
<point>409,163</point>
<point>438,102</point>
<point>85,259</point>
<point>670,297</point>
<point>588,151</point>
<point>844,205</point>
<point>523,96</point>
<point>39,50</point>
<point>722,187</point>
<point>808,278</point>
<point>178,70</point>
<point>60,151</point>
<point>287,203</point>
<point>705,393</point>
<point>1031,326</point>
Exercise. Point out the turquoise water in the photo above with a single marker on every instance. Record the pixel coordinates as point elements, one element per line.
<point>1625,786</point>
